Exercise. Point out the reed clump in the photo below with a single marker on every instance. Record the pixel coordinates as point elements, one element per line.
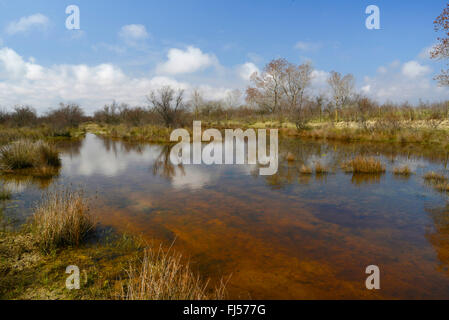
<point>290,157</point>
<point>305,170</point>
<point>321,169</point>
<point>434,177</point>
<point>361,164</point>
<point>402,171</point>
<point>26,154</point>
<point>62,219</point>
<point>161,275</point>
<point>442,187</point>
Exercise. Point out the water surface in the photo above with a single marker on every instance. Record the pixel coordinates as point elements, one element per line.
<point>288,236</point>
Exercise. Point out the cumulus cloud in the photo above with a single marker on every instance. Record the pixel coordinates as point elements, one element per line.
<point>26,82</point>
<point>26,23</point>
<point>414,69</point>
<point>246,70</point>
<point>186,61</point>
<point>398,82</point>
<point>134,32</point>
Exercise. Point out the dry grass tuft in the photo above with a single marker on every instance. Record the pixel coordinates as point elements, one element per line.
<point>162,276</point>
<point>321,169</point>
<point>62,219</point>
<point>26,154</point>
<point>362,164</point>
<point>305,170</point>
<point>442,187</point>
<point>434,177</point>
<point>290,157</point>
<point>402,171</point>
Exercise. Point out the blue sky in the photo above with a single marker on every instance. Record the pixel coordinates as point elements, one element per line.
<point>125,49</point>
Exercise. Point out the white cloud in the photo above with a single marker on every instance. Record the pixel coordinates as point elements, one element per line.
<point>186,61</point>
<point>414,69</point>
<point>366,89</point>
<point>319,78</point>
<point>409,81</point>
<point>26,23</point>
<point>134,32</point>
<point>307,46</point>
<point>246,70</point>
<point>425,53</point>
<point>26,82</point>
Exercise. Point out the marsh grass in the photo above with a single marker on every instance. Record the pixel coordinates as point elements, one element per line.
<point>305,170</point>
<point>361,164</point>
<point>161,275</point>
<point>290,157</point>
<point>321,169</point>
<point>434,177</point>
<point>26,154</point>
<point>437,181</point>
<point>5,194</point>
<point>442,187</point>
<point>380,131</point>
<point>144,133</point>
<point>62,219</point>
<point>402,171</point>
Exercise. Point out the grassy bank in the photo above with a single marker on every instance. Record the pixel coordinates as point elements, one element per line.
<point>62,232</point>
<point>146,133</point>
<point>426,133</point>
<point>9,134</point>
<point>402,133</point>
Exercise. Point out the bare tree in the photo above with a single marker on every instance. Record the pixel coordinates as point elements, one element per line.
<point>167,104</point>
<point>197,101</point>
<point>267,91</point>
<point>295,81</point>
<point>441,49</point>
<point>342,89</point>
<point>233,98</point>
<point>24,116</point>
<point>320,101</point>
<point>67,115</point>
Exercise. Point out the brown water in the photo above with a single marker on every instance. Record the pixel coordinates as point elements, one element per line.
<point>289,236</point>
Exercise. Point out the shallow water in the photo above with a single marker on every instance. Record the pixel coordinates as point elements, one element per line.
<point>288,236</point>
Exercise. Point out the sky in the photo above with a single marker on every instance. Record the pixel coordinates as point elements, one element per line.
<point>125,49</point>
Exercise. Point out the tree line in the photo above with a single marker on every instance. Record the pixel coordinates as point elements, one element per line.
<point>280,92</point>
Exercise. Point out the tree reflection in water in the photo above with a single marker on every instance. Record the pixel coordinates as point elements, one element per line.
<point>163,166</point>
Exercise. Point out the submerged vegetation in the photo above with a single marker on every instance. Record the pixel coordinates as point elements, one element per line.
<point>33,260</point>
